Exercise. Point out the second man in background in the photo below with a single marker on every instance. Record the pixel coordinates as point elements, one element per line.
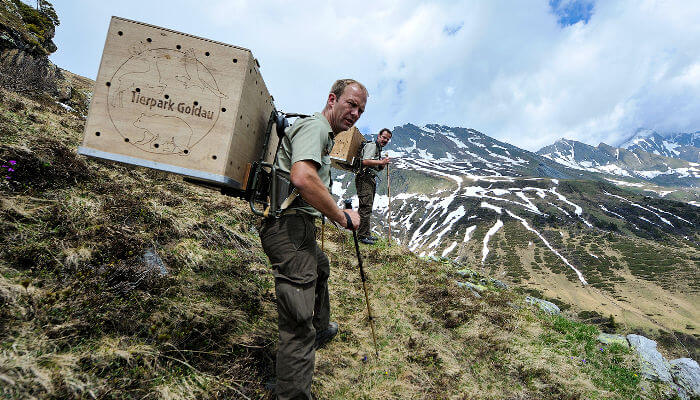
<point>366,184</point>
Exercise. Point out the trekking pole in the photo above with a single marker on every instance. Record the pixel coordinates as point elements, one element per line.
<point>323,231</point>
<point>348,205</point>
<point>388,193</point>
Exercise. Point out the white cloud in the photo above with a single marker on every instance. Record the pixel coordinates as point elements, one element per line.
<point>508,69</point>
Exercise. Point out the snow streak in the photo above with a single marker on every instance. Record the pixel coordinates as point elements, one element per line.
<point>664,220</point>
<point>546,243</point>
<point>491,232</point>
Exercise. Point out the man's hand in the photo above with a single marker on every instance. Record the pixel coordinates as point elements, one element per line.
<point>355,217</point>
<point>376,163</point>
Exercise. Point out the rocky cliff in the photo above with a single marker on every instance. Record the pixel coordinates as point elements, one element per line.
<point>26,41</point>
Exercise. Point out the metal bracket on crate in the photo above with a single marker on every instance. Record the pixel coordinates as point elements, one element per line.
<point>260,186</point>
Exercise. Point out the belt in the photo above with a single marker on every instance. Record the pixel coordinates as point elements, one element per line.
<point>294,211</point>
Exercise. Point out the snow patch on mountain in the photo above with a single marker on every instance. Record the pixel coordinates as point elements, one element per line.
<point>468,233</point>
<point>577,209</point>
<point>549,246</point>
<point>449,249</point>
<point>664,220</point>
<point>491,232</point>
<point>624,183</point>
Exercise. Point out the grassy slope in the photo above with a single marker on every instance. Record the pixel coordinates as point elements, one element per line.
<point>642,282</point>
<point>82,315</point>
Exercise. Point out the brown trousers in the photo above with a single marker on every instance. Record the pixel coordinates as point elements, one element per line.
<point>301,272</point>
<point>366,186</point>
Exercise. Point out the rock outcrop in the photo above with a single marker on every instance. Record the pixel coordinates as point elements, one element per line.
<point>544,305</point>
<point>608,338</point>
<point>26,40</point>
<point>653,365</point>
<point>686,374</point>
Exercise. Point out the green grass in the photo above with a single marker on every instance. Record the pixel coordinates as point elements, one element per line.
<point>609,365</point>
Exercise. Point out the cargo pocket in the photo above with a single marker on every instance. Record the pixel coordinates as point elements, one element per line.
<point>298,233</point>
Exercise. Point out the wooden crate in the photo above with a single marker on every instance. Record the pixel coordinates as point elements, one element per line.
<point>179,103</point>
<point>345,150</point>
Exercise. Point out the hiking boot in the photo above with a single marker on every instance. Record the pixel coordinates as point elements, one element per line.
<point>373,238</point>
<point>326,335</point>
<point>366,240</point>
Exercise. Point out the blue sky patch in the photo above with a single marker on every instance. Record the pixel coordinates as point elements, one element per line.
<point>569,12</point>
<point>451,30</point>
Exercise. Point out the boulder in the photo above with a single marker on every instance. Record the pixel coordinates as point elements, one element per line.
<point>686,374</point>
<point>607,338</point>
<point>472,286</point>
<point>154,262</point>
<point>474,289</point>
<point>544,305</point>
<point>468,273</point>
<point>653,365</point>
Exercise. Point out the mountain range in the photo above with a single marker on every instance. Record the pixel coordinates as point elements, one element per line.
<point>635,165</point>
<point>598,227</point>
<point>685,146</point>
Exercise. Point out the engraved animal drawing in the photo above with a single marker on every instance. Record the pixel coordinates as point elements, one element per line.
<point>164,134</point>
<point>196,75</point>
<point>141,72</point>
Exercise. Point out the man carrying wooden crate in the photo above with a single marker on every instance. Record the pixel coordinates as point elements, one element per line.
<point>366,182</point>
<point>299,266</point>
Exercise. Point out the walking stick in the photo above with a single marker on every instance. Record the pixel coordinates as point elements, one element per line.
<point>388,193</point>
<point>323,231</point>
<point>348,205</point>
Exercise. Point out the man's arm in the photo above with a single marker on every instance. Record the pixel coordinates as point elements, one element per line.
<point>376,163</point>
<point>304,177</point>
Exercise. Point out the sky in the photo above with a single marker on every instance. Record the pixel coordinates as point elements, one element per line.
<point>527,72</point>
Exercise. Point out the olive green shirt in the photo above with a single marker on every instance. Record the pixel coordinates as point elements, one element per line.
<point>372,151</point>
<point>308,139</point>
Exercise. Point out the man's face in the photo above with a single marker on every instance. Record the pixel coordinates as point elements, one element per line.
<point>346,109</point>
<point>383,138</point>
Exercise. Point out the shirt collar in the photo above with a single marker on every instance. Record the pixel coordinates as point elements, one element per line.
<point>325,121</point>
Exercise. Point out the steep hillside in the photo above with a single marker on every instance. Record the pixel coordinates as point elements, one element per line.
<point>120,282</point>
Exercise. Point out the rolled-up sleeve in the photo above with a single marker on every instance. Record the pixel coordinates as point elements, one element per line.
<point>308,143</point>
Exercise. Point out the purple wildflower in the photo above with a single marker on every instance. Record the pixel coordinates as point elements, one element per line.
<point>10,169</point>
<point>13,162</point>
